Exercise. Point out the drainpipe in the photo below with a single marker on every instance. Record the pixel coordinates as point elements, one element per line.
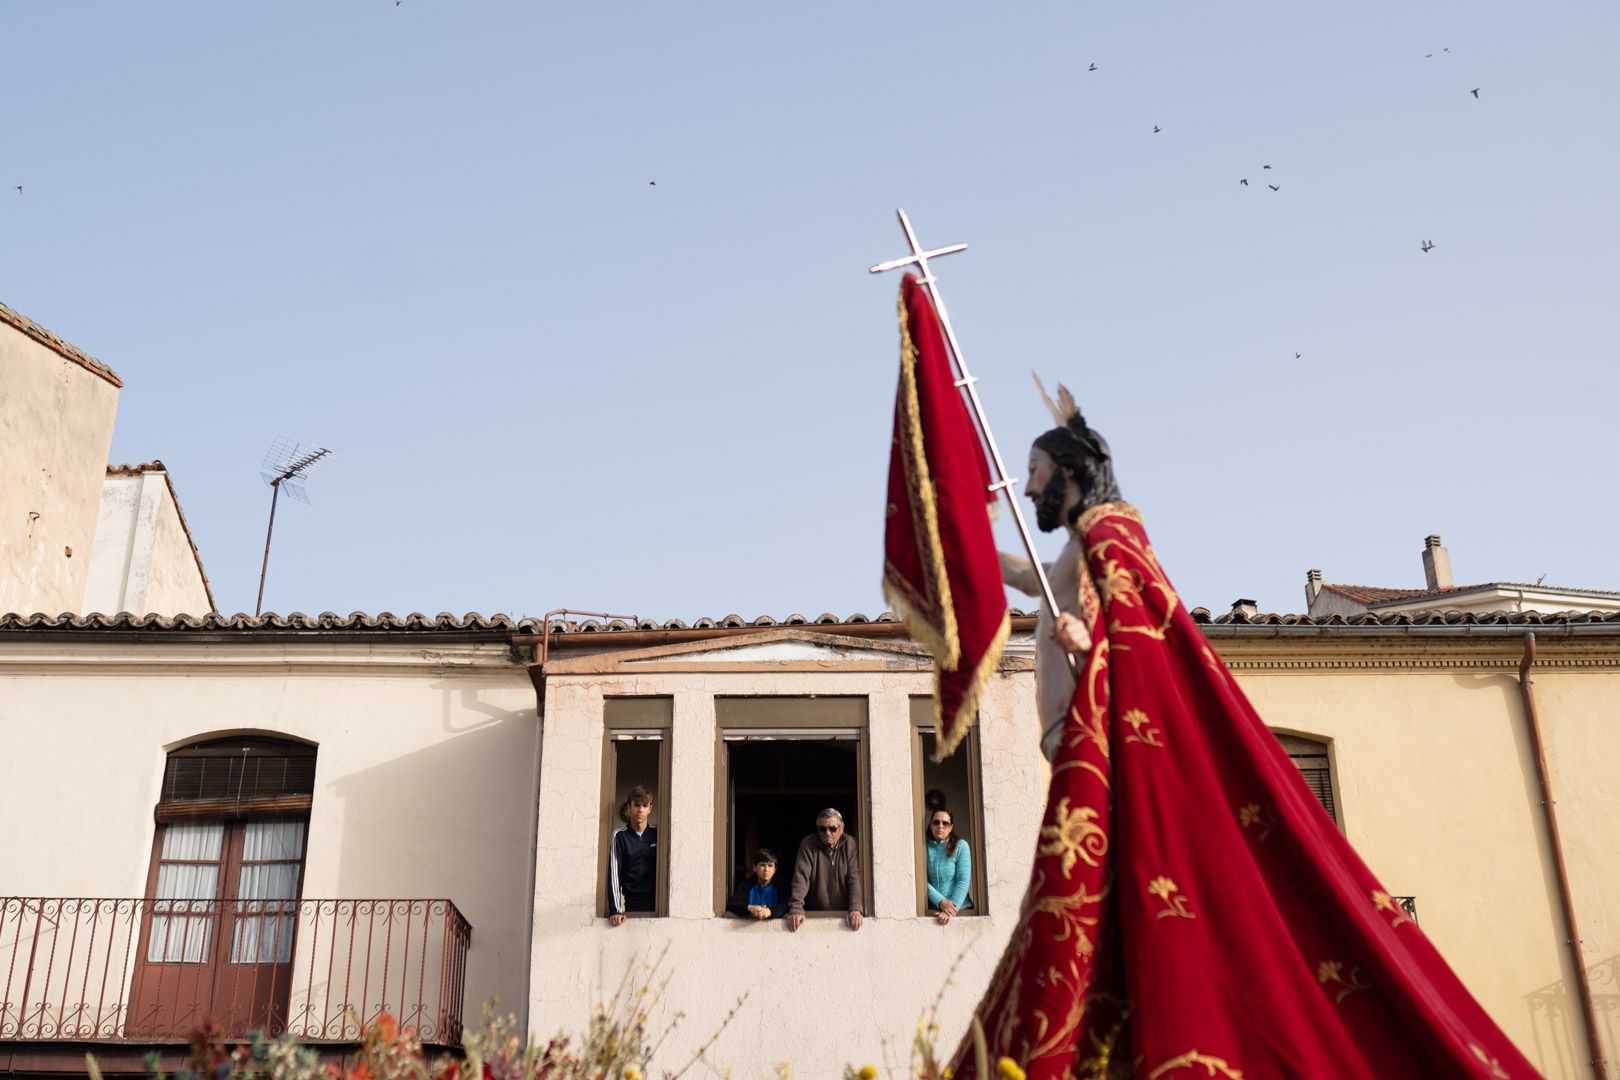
<point>1588,1012</point>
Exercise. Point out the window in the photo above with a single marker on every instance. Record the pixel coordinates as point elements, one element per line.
<point>1311,758</point>
<point>636,752</point>
<point>780,762</point>
<point>957,779</point>
<point>222,897</point>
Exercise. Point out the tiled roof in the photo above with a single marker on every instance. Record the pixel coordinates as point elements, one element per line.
<point>386,622</point>
<point>155,465</point>
<point>416,621</point>
<point>1372,594</point>
<point>1426,617</point>
<point>295,622</point>
<point>51,341</point>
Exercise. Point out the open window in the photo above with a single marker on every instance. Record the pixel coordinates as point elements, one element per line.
<point>636,751</point>
<point>957,780</point>
<point>780,762</point>
<point>1310,757</point>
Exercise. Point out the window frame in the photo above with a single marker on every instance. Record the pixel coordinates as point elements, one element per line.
<point>657,723</point>
<point>803,727</point>
<point>1328,753</point>
<point>924,724</point>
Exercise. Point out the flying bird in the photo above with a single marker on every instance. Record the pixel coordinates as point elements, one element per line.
<point>1273,187</point>
<point>1475,91</point>
<point>1446,49</point>
<point>1428,56</point>
<point>1155,129</point>
<point>1296,356</point>
<point>1427,246</point>
<point>652,183</point>
<point>1093,67</point>
<point>1244,181</point>
<point>1265,166</point>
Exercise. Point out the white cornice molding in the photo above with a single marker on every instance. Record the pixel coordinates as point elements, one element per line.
<point>326,657</point>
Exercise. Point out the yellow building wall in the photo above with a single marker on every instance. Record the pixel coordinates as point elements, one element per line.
<point>1437,789</point>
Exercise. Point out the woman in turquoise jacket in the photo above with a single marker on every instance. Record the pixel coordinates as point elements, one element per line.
<point>950,866</point>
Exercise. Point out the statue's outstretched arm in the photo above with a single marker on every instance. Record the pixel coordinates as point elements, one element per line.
<point>1019,572</point>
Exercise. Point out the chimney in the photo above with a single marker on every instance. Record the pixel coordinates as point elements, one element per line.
<point>1436,564</point>
<point>1247,608</point>
<point>1313,586</point>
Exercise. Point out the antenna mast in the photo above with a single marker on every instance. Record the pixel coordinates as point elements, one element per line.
<point>287,465</point>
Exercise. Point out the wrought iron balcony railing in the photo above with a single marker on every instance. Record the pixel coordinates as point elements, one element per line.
<point>85,969</point>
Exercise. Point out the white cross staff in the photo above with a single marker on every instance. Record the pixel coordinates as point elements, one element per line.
<point>965,380</point>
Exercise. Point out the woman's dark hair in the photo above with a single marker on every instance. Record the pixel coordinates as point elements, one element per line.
<point>641,795</point>
<point>953,839</point>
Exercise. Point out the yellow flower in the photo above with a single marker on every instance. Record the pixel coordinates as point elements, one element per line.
<point>632,1073</point>
<point>1328,971</point>
<point>1009,1070</point>
<point>1162,887</point>
<point>1249,815</point>
<point>868,1072</point>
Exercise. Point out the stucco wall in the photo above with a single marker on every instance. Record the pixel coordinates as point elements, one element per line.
<point>143,561</point>
<point>819,998</point>
<point>424,776</point>
<point>1437,790</point>
<point>56,424</point>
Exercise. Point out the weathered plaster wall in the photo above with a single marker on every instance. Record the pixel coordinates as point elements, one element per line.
<point>56,424</point>
<point>424,777</point>
<point>1437,789</point>
<point>824,996</point>
<point>143,561</point>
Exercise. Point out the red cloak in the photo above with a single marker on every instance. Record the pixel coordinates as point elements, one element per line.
<point>1193,911</point>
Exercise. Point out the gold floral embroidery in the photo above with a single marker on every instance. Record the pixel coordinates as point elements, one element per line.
<point>1332,971</point>
<point>1118,586</point>
<point>1385,902</point>
<point>1069,913</point>
<point>1076,836</point>
<point>1489,1062</point>
<point>1174,906</point>
<point>1215,1066</point>
<point>1139,721</point>
<point>1253,815</point>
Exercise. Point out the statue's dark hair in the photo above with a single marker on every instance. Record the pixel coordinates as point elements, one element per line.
<point>1082,452</point>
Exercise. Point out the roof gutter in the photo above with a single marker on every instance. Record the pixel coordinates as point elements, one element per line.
<point>1565,896</point>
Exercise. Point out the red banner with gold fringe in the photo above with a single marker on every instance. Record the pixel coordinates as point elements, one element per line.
<point>941,573</point>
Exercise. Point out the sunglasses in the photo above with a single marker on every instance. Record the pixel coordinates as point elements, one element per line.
<point>828,828</point>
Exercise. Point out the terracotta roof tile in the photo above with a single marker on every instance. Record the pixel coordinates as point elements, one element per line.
<point>1372,594</point>
<point>28,326</point>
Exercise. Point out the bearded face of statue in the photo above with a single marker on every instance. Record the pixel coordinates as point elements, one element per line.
<point>1049,488</point>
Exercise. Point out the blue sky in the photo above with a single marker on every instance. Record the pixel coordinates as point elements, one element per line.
<point>424,235</point>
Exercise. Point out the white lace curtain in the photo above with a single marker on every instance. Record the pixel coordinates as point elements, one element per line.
<point>266,903</point>
<point>188,886</point>
<point>267,892</point>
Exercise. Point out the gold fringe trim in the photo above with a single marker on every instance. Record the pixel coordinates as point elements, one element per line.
<point>916,622</point>
<point>968,712</point>
<point>940,640</point>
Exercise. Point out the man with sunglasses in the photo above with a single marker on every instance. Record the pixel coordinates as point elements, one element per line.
<point>827,873</point>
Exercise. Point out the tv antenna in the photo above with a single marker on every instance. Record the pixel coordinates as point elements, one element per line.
<point>287,465</point>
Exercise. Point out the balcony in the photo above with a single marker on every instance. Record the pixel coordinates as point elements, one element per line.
<point>76,969</point>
